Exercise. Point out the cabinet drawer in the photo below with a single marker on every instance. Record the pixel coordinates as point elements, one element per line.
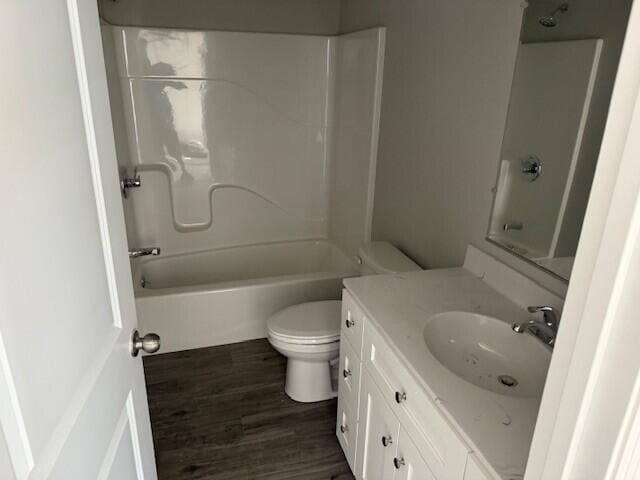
<point>347,432</point>
<point>352,322</point>
<point>349,376</point>
<point>440,446</point>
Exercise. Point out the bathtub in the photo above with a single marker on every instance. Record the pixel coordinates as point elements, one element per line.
<point>226,295</point>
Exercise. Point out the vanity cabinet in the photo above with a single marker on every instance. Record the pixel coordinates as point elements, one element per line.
<point>379,434</point>
<point>388,425</point>
<point>408,462</point>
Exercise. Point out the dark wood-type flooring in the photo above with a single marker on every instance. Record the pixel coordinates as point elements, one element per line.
<point>221,413</point>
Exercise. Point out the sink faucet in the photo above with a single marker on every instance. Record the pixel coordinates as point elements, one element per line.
<point>546,329</point>
<point>141,252</point>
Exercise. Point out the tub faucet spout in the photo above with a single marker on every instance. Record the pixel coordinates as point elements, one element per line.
<point>142,252</point>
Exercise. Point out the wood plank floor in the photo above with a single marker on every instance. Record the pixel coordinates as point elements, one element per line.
<point>221,413</point>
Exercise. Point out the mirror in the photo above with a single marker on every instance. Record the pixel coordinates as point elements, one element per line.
<point>562,85</point>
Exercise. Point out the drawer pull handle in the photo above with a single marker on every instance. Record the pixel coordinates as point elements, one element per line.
<point>346,373</point>
<point>398,462</point>
<point>387,440</point>
<point>344,428</point>
<point>401,397</point>
<point>349,323</point>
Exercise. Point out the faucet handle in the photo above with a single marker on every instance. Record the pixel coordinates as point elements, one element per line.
<point>550,315</point>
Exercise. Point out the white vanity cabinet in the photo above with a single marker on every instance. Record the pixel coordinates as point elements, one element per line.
<point>408,462</point>
<point>400,433</point>
<point>379,433</point>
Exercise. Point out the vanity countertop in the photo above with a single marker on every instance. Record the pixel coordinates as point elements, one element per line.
<point>498,428</point>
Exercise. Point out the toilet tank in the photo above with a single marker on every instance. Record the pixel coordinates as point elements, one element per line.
<point>382,257</point>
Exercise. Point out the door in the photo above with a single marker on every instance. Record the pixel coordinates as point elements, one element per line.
<point>408,462</point>
<point>378,434</point>
<point>72,398</point>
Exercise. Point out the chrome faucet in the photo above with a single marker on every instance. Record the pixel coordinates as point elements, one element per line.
<point>546,329</point>
<point>141,252</point>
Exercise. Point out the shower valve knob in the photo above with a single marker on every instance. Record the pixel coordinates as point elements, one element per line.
<point>150,343</point>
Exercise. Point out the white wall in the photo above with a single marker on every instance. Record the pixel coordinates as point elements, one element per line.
<point>448,71</point>
<point>355,122</point>
<point>320,17</point>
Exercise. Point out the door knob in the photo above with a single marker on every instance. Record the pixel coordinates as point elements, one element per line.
<point>150,343</point>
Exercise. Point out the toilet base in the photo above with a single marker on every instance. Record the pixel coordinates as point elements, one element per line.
<point>309,381</point>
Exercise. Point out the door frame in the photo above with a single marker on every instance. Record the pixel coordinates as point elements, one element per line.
<point>588,425</point>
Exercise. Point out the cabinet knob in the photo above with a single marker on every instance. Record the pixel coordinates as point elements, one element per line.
<point>349,323</point>
<point>401,397</point>
<point>387,440</point>
<point>344,428</point>
<point>398,462</point>
<point>346,373</point>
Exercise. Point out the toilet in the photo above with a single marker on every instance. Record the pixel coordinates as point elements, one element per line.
<point>308,334</point>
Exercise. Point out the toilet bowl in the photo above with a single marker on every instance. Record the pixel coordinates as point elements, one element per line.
<point>308,334</point>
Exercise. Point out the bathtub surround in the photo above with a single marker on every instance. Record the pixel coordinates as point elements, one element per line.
<point>246,138</point>
<point>230,133</point>
<point>257,158</point>
<point>359,63</point>
<point>311,17</point>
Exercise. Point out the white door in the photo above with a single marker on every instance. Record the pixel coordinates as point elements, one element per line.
<point>72,398</point>
<point>378,434</point>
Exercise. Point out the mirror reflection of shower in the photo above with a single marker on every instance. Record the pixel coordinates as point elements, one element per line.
<point>551,20</point>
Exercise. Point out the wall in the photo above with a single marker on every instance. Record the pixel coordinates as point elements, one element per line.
<point>320,17</point>
<point>444,104</point>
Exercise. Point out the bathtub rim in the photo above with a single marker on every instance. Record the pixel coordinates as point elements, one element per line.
<point>250,284</point>
<point>351,270</point>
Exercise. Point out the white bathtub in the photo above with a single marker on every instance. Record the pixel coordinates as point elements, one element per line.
<point>226,295</point>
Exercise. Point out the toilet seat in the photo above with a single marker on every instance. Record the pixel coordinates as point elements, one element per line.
<point>311,323</point>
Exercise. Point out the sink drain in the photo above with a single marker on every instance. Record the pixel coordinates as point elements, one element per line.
<point>507,380</point>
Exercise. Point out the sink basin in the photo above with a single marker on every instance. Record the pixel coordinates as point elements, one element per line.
<point>485,351</point>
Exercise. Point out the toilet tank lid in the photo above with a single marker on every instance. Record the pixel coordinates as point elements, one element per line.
<point>382,257</point>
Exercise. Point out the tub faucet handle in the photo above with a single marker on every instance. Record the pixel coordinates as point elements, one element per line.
<point>142,252</point>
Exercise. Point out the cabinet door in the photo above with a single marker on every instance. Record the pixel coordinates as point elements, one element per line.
<point>377,434</point>
<point>408,462</point>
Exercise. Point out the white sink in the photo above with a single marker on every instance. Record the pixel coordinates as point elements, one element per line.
<point>485,351</point>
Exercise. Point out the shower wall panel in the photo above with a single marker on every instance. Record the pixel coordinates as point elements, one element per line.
<point>356,117</point>
<point>229,132</point>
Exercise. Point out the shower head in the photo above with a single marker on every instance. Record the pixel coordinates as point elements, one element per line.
<point>551,20</point>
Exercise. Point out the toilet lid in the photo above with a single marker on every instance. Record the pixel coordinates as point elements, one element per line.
<point>313,322</point>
